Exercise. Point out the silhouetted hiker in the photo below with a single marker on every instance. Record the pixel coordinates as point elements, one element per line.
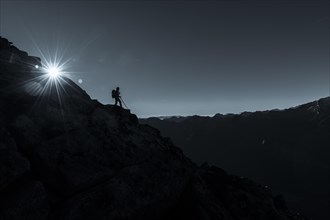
<point>116,95</point>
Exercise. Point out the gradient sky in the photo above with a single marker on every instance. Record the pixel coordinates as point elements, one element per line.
<point>182,57</point>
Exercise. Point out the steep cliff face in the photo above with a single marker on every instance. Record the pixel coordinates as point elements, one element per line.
<point>66,156</point>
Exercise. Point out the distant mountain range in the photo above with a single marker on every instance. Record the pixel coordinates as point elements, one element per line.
<point>289,150</point>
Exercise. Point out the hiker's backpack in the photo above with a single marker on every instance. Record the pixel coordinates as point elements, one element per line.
<point>113,94</point>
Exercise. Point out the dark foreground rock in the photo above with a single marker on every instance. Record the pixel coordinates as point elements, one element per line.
<point>65,156</point>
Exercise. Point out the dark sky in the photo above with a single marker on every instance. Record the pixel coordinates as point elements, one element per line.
<point>182,57</point>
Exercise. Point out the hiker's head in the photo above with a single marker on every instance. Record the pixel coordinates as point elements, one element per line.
<point>117,88</point>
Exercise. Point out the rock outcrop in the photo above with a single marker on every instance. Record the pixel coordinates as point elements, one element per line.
<point>66,156</point>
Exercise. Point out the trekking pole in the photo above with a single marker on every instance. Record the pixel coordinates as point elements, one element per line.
<point>123,102</point>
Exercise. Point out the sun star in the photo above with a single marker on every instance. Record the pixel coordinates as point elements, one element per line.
<point>53,72</point>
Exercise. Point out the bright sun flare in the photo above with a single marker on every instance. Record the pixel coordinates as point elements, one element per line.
<point>53,72</point>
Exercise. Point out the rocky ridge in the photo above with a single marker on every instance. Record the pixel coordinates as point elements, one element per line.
<point>66,156</point>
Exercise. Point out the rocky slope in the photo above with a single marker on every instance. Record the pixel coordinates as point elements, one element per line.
<point>286,149</point>
<point>65,156</point>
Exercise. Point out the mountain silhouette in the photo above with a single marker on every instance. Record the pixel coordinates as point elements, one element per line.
<point>286,149</point>
<point>66,156</point>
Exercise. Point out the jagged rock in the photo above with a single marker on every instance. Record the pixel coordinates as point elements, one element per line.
<point>26,199</point>
<point>12,164</point>
<point>20,197</point>
<point>70,157</point>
